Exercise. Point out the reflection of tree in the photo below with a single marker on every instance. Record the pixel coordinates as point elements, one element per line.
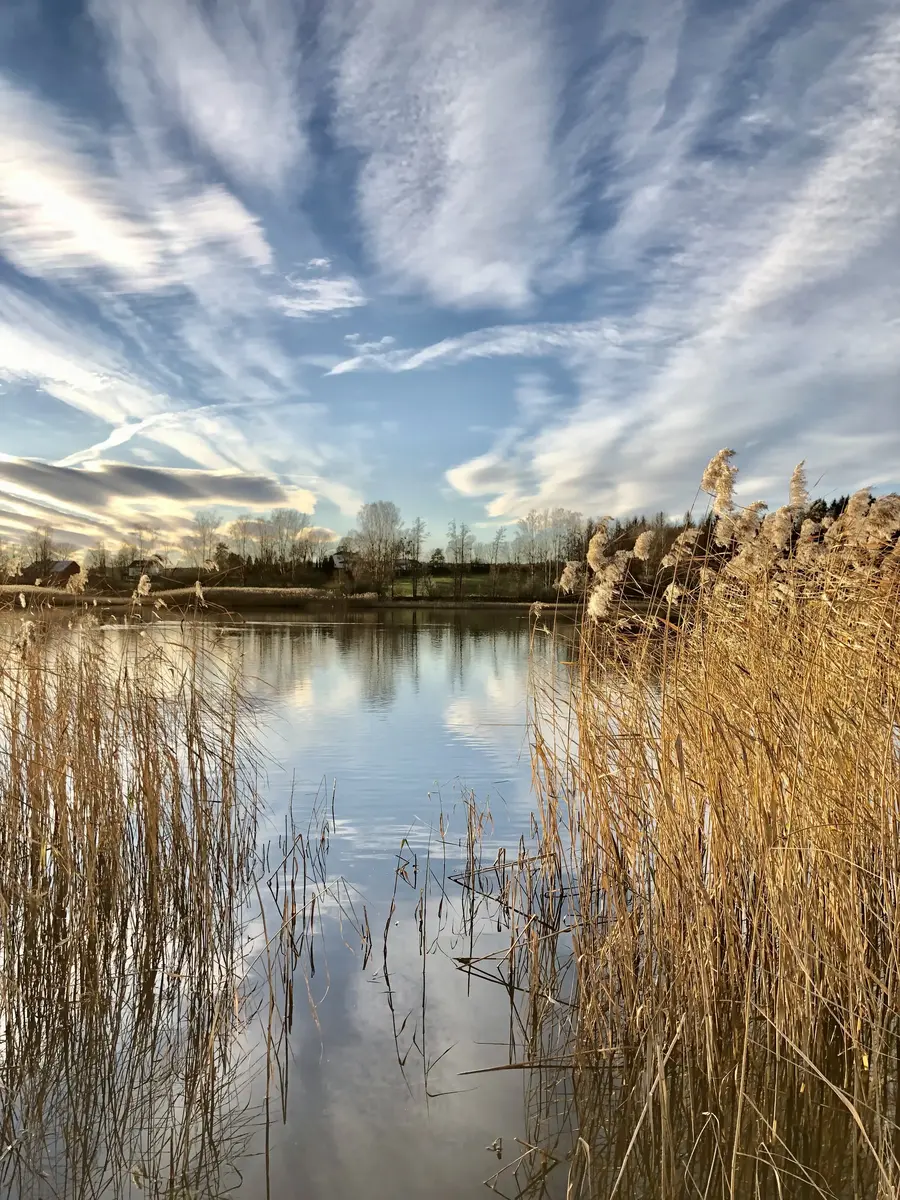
<point>379,649</point>
<point>379,654</point>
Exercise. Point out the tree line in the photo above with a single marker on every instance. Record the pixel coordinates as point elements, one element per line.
<point>527,556</point>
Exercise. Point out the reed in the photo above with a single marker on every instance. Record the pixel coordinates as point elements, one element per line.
<point>710,928</point>
<point>127,848</point>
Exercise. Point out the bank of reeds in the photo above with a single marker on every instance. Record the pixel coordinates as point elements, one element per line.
<point>711,928</point>
<point>127,843</point>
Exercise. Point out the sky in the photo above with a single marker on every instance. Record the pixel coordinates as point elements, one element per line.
<point>472,256</point>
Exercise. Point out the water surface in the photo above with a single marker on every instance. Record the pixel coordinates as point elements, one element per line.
<point>399,716</point>
<point>352,1042</point>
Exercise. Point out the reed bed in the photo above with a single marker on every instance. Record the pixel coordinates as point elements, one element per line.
<point>127,850</point>
<point>708,936</point>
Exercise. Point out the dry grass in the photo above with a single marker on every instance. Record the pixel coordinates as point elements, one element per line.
<point>127,843</point>
<point>710,932</point>
<point>151,939</point>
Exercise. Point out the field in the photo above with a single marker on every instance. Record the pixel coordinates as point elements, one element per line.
<point>476,591</point>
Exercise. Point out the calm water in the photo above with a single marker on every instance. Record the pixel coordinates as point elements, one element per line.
<point>347,1066</point>
<point>400,714</point>
<point>396,717</point>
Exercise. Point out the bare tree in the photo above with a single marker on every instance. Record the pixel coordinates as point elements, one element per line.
<point>240,534</point>
<point>200,545</point>
<point>166,547</point>
<point>40,545</point>
<point>415,548</point>
<point>10,560</point>
<point>122,558</point>
<point>287,525</point>
<point>98,557</point>
<point>528,541</point>
<point>143,538</point>
<point>318,542</point>
<point>497,549</point>
<point>265,542</point>
<point>460,543</point>
<point>378,540</point>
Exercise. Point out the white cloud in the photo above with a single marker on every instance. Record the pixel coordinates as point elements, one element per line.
<point>319,296</point>
<point>728,189</point>
<point>465,191</point>
<point>66,360</point>
<point>69,209</point>
<point>69,361</point>
<point>179,270</point>
<point>228,74</point>
<point>56,214</point>
<point>571,340</point>
<point>106,499</point>
<point>348,500</point>
<point>769,319</point>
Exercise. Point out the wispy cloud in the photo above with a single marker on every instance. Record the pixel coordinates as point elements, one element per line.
<point>69,209</point>
<point>229,75</point>
<point>57,214</point>
<point>570,340</point>
<point>67,360</point>
<point>769,318</point>
<point>108,498</point>
<point>319,296</point>
<point>465,191</point>
<point>690,212</point>
<point>181,274</point>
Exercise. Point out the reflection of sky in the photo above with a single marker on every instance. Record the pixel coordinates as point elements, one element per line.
<point>401,712</point>
<point>359,1126</point>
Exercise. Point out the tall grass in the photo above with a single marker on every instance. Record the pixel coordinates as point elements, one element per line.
<point>711,926</point>
<point>127,843</point>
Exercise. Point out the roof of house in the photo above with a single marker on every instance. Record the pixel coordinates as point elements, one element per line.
<point>64,564</point>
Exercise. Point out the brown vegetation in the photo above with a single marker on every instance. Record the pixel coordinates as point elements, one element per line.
<point>709,935</point>
<point>130,877</point>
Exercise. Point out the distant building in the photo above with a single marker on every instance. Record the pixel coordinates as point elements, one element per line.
<point>54,574</point>
<point>61,572</point>
<point>32,573</point>
<point>150,566</point>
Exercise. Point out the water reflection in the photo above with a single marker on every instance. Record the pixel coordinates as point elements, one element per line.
<point>403,710</point>
<point>242,1051</point>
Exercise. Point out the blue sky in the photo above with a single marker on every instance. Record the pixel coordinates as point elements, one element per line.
<point>472,256</point>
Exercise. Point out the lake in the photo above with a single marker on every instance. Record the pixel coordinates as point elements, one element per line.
<point>399,716</point>
<point>380,737</point>
<point>312,992</point>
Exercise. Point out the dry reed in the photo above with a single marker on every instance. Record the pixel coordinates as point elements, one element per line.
<point>147,927</point>
<point>127,843</point>
<point>709,933</point>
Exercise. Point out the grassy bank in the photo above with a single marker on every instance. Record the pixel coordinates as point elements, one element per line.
<point>236,599</point>
<point>710,931</point>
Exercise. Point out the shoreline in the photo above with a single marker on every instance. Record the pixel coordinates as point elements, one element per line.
<point>229,599</point>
